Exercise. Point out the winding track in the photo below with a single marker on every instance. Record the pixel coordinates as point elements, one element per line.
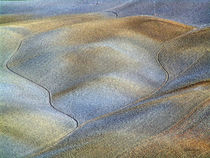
<point>49,94</point>
<point>122,110</point>
<point>127,107</point>
<point>113,12</point>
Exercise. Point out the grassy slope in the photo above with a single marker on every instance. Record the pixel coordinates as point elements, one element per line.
<point>102,56</point>
<point>174,124</point>
<point>109,63</point>
<point>27,121</point>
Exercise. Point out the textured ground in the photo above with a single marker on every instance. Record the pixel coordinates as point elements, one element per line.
<point>90,85</point>
<point>192,12</point>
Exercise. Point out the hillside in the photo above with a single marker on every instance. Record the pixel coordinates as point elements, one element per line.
<point>104,84</point>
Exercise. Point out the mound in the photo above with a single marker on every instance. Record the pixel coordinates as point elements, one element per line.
<point>109,63</point>
<point>137,86</point>
<point>174,124</point>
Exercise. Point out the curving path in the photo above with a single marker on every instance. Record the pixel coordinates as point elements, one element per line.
<point>49,94</point>
<point>151,115</point>
<point>27,120</point>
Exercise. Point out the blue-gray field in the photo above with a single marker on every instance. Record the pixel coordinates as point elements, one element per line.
<point>104,78</point>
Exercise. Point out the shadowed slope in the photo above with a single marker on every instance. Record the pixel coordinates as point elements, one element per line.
<point>192,12</point>
<point>186,11</point>
<point>55,7</point>
<point>187,63</point>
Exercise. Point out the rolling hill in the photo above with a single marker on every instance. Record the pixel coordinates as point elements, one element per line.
<point>114,83</point>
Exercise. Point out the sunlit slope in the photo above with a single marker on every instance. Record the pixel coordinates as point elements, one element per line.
<point>175,123</point>
<point>49,23</point>
<point>96,67</point>
<point>9,18</point>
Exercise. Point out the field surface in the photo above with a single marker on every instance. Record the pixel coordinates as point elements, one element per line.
<point>104,79</point>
